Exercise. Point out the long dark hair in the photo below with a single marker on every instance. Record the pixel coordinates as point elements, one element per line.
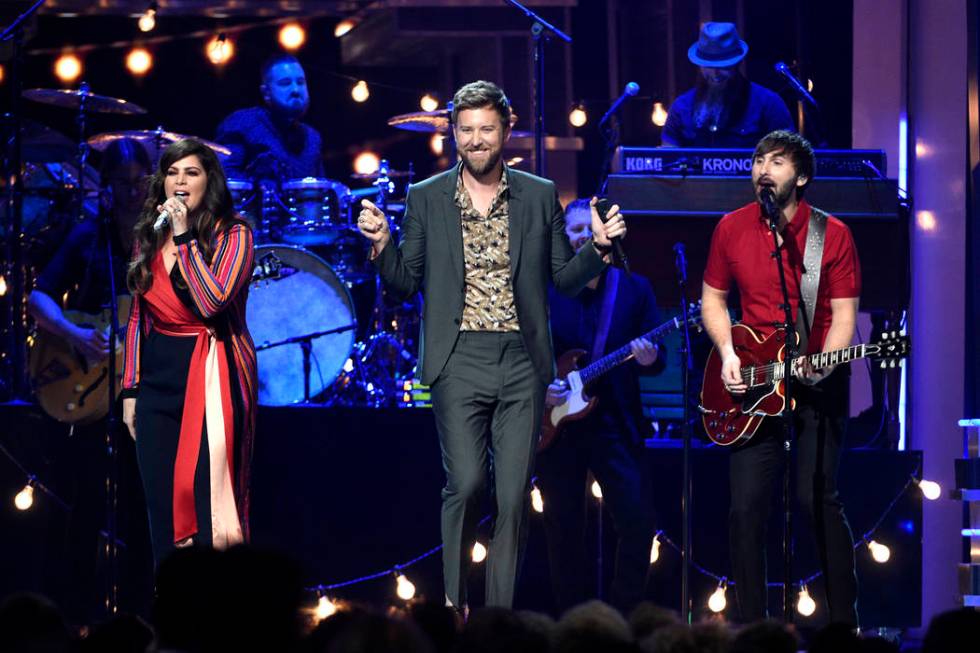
<point>215,214</point>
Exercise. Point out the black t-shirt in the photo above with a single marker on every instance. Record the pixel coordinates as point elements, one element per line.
<point>80,268</point>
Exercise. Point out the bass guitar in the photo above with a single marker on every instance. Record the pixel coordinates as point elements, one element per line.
<point>729,418</point>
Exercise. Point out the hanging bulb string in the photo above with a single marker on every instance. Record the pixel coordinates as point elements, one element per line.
<point>33,480</point>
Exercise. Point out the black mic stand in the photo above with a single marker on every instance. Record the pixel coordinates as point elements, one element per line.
<point>541,30</point>
<point>687,608</point>
<point>111,550</point>
<point>789,424</point>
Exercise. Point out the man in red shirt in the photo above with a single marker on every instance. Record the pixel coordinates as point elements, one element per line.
<point>741,255</point>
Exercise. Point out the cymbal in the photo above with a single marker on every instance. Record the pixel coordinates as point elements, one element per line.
<point>152,137</point>
<point>70,99</point>
<point>374,175</point>
<point>436,121</point>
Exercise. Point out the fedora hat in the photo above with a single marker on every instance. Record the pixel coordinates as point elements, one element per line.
<point>718,46</point>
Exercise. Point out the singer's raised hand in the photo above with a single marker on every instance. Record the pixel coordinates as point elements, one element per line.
<point>613,227</point>
<point>176,213</point>
<point>373,225</point>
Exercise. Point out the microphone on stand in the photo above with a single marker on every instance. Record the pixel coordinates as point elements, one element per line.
<point>164,218</point>
<point>680,261</point>
<point>769,207</point>
<point>801,92</point>
<point>630,90</point>
<point>619,254</point>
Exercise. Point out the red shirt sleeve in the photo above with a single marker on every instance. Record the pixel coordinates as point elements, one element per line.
<point>718,273</point>
<point>843,270</point>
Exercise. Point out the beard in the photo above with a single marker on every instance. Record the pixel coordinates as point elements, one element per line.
<point>781,193</point>
<point>478,169</point>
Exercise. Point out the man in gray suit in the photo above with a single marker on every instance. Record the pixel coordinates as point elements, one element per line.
<point>484,241</point>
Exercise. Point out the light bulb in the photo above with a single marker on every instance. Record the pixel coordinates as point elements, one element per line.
<point>930,489</point>
<point>25,498</point>
<point>805,605</point>
<point>68,68</point>
<point>343,27</point>
<point>429,102</point>
<point>3,285</point>
<point>292,36</point>
<point>537,501</point>
<point>139,61</point>
<point>717,601</point>
<point>148,20</point>
<point>367,163</point>
<point>578,117</point>
<point>325,608</point>
<point>879,552</point>
<point>436,145</point>
<point>655,549</point>
<point>596,490</point>
<point>360,91</point>
<point>479,552</point>
<point>659,115</point>
<point>220,50</point>
<point>404,588</point>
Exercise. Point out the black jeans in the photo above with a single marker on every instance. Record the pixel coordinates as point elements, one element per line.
<point>619,468</point>
<point>755,468</point>
<point>487,403</point>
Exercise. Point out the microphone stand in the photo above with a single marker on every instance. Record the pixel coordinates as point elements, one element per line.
<point>111,550</point>
<point>789,423</point>
<point>687,608</point>
<point>541,30</point>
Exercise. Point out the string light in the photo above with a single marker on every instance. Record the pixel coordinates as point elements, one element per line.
<point>139,61</point>
<point>3,72</point>
<point>596,490</point>
<point>429,102</point>
<point>325,608</point>
<point>809,85</point>
<point>3,285</point>
<point>717,601</point>
<point>292,36</point>
<point>879,552</point>
<point>25,498</point>
<point>655,549</point>
<point>930,489</point>
<point>68,67</point>
<point>537,501</point>
<point>360,91</point>
<point>659,115</point>
<point>404,588</point>
<point>344,26</point>
<point>436,145</point>
<point>220,49</point>
<point>577,116</point>
<point>479,553</point>
<point>366,163</point>
<point>148,19</point>
<point>805,604</point>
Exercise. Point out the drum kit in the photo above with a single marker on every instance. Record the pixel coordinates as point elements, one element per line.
<point>325,329</point>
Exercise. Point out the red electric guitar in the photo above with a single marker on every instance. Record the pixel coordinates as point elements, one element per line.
<point>729,419</point>
<point>579,404</point>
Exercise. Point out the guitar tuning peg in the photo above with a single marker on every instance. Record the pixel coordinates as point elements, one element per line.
<point>884,364</point>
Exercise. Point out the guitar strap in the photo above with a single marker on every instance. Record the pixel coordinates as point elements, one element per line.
<point>810,281</point>
<point>605,317</point>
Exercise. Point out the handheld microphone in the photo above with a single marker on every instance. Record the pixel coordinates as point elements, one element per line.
<point>801,92</point>
<point>164,218</point>
<point>768,201</point>
<point>630,90</point>
<point>619,254</point>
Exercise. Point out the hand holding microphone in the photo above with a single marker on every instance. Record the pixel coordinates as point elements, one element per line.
<point>173,212</point>
<point>608,229</point>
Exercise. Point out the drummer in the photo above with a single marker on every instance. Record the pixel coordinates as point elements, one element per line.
<point>270,142</point>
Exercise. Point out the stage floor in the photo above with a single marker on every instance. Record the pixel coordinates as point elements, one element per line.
<point>351,492</point>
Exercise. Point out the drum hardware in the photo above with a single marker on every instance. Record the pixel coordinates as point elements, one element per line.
<point>317,210</point>
<point>438,122</point>
<point>306,346</point>
<point>83,99</point>
<point>159,138</point>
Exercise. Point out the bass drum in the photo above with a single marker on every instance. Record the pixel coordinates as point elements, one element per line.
<point>295,295</point>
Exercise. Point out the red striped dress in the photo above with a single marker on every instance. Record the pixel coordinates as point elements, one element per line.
<point>212,311</point>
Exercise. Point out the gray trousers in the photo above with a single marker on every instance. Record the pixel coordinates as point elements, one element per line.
<point>487,403</point>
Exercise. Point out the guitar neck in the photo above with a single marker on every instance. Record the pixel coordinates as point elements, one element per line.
<point>817,361</point>
<point>610,361</point>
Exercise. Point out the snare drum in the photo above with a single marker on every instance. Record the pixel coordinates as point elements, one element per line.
<point>294,295</point>
<point>319,210</point>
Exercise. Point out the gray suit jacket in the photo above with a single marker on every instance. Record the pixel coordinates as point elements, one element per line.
<point>430,258</point>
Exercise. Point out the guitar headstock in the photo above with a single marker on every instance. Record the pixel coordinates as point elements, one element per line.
<point>890,350</point>
<point>694,316</point>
